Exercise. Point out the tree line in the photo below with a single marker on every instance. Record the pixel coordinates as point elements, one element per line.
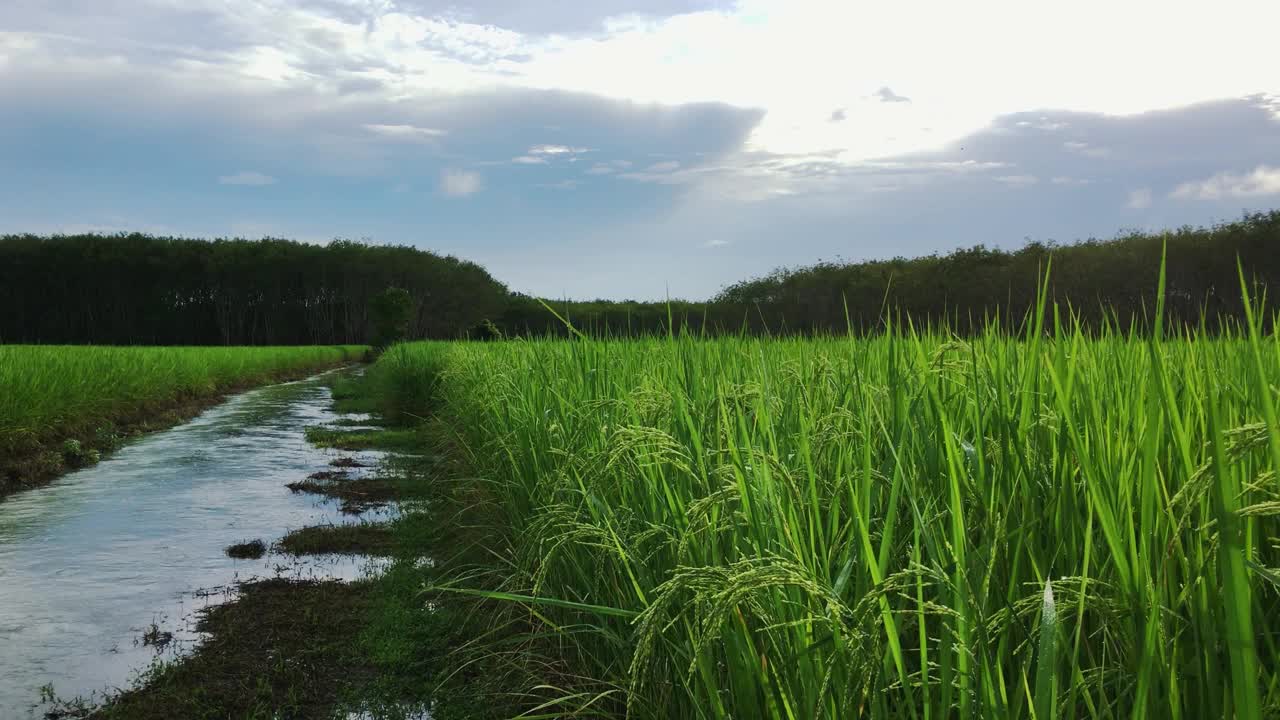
<point>141,289</point>
<point>1101,281</point>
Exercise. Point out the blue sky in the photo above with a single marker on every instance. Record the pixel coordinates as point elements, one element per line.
<point>625,148</point>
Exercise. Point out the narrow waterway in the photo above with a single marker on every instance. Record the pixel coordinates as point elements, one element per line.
<point>91,562</point>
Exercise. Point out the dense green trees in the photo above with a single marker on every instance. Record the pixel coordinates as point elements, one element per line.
<point>139,289</point>
<point>392,311</point>
<point>1112,279</point>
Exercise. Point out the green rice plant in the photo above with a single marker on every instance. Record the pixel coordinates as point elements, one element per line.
<point>909,525</point>
<point>1046,699</point>
<point>49,393</point>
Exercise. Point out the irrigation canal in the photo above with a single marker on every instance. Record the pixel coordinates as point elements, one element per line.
<point>102,570</point>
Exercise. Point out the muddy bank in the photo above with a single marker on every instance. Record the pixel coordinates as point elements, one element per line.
<point>282,649</point>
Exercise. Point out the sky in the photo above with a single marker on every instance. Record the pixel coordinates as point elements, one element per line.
<point>638,149</point>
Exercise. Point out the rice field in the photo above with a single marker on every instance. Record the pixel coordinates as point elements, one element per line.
<point>912,525</point>
<point>51,392</point>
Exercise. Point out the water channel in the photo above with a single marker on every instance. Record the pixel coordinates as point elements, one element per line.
<point>90,563</point>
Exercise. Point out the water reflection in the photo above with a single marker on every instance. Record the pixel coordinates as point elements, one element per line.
<point>90,563</point>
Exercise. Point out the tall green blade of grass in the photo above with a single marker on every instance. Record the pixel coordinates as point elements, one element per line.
<point>1259,367</point>
<point>1237,606</point>
<point>1047,659</point>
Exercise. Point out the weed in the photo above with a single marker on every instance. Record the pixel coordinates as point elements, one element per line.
<point>154,637</point>
<point>397,439</point>
<point>248,550</point>
<point>359,495</point>
<point>354,539</point>
<point>347,462</point>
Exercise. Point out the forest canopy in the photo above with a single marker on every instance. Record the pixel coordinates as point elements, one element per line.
<point>140,289</point>
<point>1114,280</point>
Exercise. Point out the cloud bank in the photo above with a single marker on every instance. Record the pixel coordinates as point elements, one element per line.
<point>676,144</point>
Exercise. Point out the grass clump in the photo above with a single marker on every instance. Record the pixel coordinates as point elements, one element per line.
<point>76,455</point>
<point>405,440</point>
<point>354,539</point>
<point>1068,524</point>
<point>248,550</point>
<point>406,536</point>
<point>347,462</point>
<point>356,495</point>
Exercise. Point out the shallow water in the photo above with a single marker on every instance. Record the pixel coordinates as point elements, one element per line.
<point>90,562</point>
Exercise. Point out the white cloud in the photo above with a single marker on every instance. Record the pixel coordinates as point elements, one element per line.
<point>460,183</point>
<point>1017,180</point>
<point>557,150</point>
<point>714,56</point>
<point>1139,199</point>
<point>406,132</point>
<point>247,177</point>
<point>600,169</point>
<point>1271,103</point>
<point>1084,148</point>
<point>1066,180</point>
<point>529,160</point>
<point>665,166</point>
<point>716,242</point>
<point>1264,180</point>
<point>687,176</point>
<point>884,94</point>
<point>1043,123</point>
<point>957,166</point>
<point>413,64</point>
<point>760,177</point>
